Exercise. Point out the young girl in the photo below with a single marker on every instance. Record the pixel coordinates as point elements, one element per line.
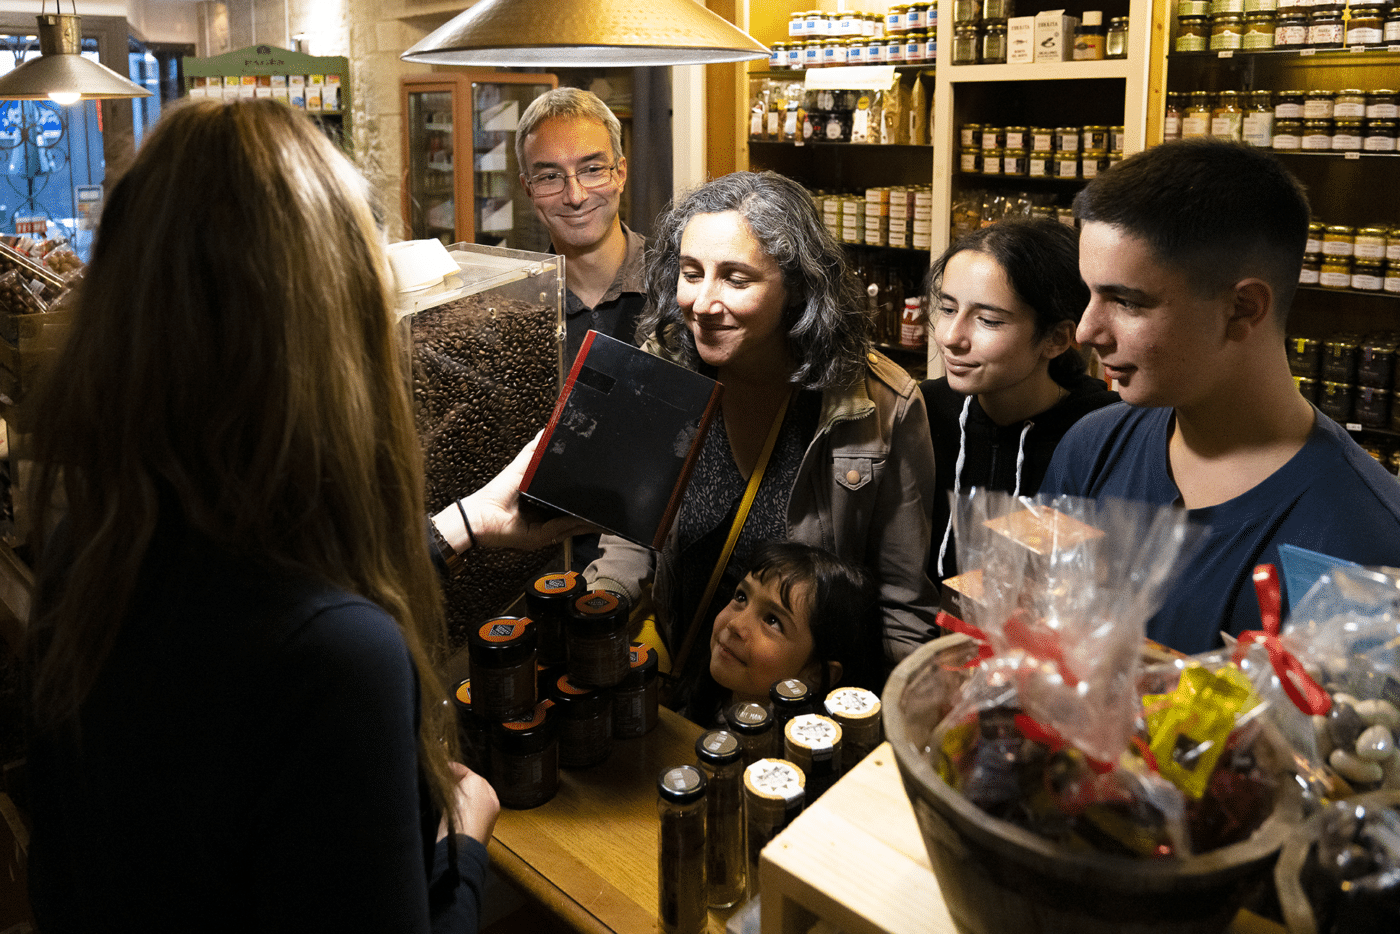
<point>1004,302</point>
<point>799,612</point>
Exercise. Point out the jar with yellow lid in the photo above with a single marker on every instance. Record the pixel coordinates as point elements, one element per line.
<point>1335,273</point>
<point>1381,136</point>
<point>1094,163</point>
<point>1258,31</point>
<point>1117,138</point>
<point>1259,119</point>
<point>1317,135</point>
<point>1067,164</point>
<point>1392,26</point>
<point>1042,139</point>
<point>1392,278</point>
<point>1192,33</point>
<point>1196,119</point>
<point>994,44</point>
<point>1288,135</point>
<point>1346,135</point>
<point>1226,32</point>
<point>1260,6</point>
<point>915,46</point>
<point>1315,232</point>
<point>971,160</point>
<point>1095,137</point>
<point>1040,164</point>
<point>1171,120</point>
<point>1288,105</point>
<point>1369,244</point>
<point>1192,8</point>
<point>1311,269</point>
<point>855,52</point>
<point>1291,29</point>
<point>1339,356</point>
<point>797,25</point>
<point>970,134</point>
<point>1325,28</point>
<point>1349,105</point>
<point>1380,105</point>
<point>894,18</point>
<point>875,51</point>
<point>991,160</point>
<point>1304,355</point>
<point>1366,24</point>
<point>1014,161</point>
<point>1392,245</point>
<point>993,136</point>
<point>1227,119</point>
<point>1017,137</point>
<point>1367,277</point>
<point>916,17</point>
<point>1319,105</point>
<point>1067,139</point>
<point>1338,240</point>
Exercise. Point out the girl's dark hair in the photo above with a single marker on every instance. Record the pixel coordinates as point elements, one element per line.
<point>844,615</point>
<point>1041,260</point>
<point>828,329</point>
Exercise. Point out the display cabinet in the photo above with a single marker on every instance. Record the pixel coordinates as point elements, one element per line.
<point>317,84</point>
<point>461,182</point>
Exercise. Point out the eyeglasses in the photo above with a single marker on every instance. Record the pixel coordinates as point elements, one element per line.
<point>551,183</point>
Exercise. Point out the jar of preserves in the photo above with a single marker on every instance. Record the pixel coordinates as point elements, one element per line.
<point>993,136</point>
<point>1094,163</point>
<point>1325,28</point>
<point>637,697</point>
<point>970,134</point>
<point>1338,240</point>
<point>1346,135</point>
<point>1227,119</point>
<point>1369,244</point>
<point>1307,388</point>
<point>797,25</point>
<point>966,12</point>
<point>965,45</point>
<point>994,44</point>
<point>971,160</point>
<point>1290,30</point>
<point>1371,407</point>
<point>796,52</point>
<point>916,17</point>
<point>1117,138</point>
<point>503,653</point>
<point>1066,164</point>
<point>1039,164</point>
<point>1258,31</point>
<point>1317,135</point>
<point>812,53</point>
<point>585,723</point>
<point>1226,32</point>
<point>833,52</point>
<point>1095,137</point>
<point>1315,233</point>
<point>875,51</point>
<point>1192,33</point>
<point>1288,134</point>
<point>1288,105</point>
<point>1171,121</point>
<point>991,160</point>
<point>894,48</point>
<point>525,758</point>
<point>1014,162</point>
<point>855,52</point>
<point>1017,137</point>
<point>1339,356</point>
<point>1116,40</point>
<point>1196,120</point>
<point>1380,105</point>
<point>1366,25</point>
<point>997,11</point>
<point>1380,136</point>
<point>1392,278</point>
<point>1335,273</point>
<point>1319,105</point>
<point>1392,245</point>
<point>1259,120</point>
<point>1349,105</point>
<point>1041,138</point>
<point>1304,356</point>
<point>1336,400</point>
<point>1067,138</point>
<point>1312,268</point>
<point>1391,28</point>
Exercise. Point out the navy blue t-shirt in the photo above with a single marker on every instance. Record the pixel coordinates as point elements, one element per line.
<point>1331,497</point>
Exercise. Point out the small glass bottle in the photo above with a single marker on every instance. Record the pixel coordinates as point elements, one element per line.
<point>774,794</point>
<point>525,758</point>
<point>1116,39</point>
<point>637,697</point>
<point>585,723</point>
<point>994,44</point>
<point>596,639</point>
<point>502,653</point>
<point>1227,119</point>
<point>1176,109</point>
<point>1196,121</point>
<point>1259,120</point>
<point>812,742</point>
<point>965,44</point>
<point>681,895</point>
<point>753,724</point>
<point>1089,37</point>
<point>721,755</point>
<point>857,711</point>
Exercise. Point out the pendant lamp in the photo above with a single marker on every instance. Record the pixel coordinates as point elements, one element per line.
<point>61,73</point>
<point>582,33</point>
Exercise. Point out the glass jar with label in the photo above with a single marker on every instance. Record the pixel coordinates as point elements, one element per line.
<point>1291,30</point>
<point>1349,105</point>
<point>1196,120</point>
<point>1392,278</point>
<point>855,52</point>
<point>875,51</point>
<point>1346,135</point>
<point>1117,138</point>
<point>971,134</point>
<point>1325,28</point>
<point>1192,34</point>
<point>1171,121</point>
<point>812,53</point>
<point>971,160</point>
<point>997,11</point>
<point>1067,138</point>
<point>1017,137</point>
<point>1116,40</point>
<point>994,44</point>
<point>1380,136</point>
<point>1227,119</point>
<point>1366,25</point>
<point>1318,105</point>
<point>1369,244</point>
<point>1338,240</point>
<point>1259,120</point>
<point>1317,135</point>
<point>1391,29</point>
<point>1380,105</point>
<point>1039,164</point>
<point>966,12</point>
<point>1094,163</point>
<point>993,136</point>
<point>1335,273</point>
<point>1288,134</point>
<point>1311,269</point>
<point>1067,164</point>
<point>1288,105</point>
<point>1258,31</point>
<point>1014,162</point>
<point>1315,234</point>
<point>1226,32</point>
<point>991,161</point>
<point>965,45</point>
<point>916,17</point>
<point>1392,245</point>
<point>1226,6</point>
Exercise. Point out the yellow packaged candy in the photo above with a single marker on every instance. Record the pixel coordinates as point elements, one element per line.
<point>1188,727</point>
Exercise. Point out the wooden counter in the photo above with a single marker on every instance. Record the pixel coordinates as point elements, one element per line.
<point>589,855</point>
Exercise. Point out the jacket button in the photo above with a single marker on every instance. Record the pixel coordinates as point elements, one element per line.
<point>853,476</point>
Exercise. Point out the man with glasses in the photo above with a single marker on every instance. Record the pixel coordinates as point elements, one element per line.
<point>569,146</point>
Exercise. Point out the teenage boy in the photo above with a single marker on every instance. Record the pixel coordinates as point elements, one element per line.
<point>1191,251</point>
<point>569,146</point>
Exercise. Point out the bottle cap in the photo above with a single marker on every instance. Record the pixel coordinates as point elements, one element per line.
<point>681,784</point>
<point>718,747</point>
<point>1093,18</point>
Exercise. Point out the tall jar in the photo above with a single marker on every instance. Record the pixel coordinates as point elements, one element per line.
<point>1259,120</point>
<point>857,711</point>
<point>1116,41</point>
<point>1171,122</point>
<point>774,794</point>
<point>681,894</point>
<point>753,724</point>
<point>721,756</point>
<point>547,600</point>
<point>637,697</point>
<point>525,758</point>
<point>1196,120</point>
<point>585,723</point>
<point>1227,119</point>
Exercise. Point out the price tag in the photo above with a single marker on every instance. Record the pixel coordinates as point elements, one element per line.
<point>1354,426</point>
<point>1227,53</point>
<point>1352,155</point>
<point>1307,51</point>
<point>1356,48</point>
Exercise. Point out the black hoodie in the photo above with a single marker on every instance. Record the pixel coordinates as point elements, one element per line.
<point>992,451</point>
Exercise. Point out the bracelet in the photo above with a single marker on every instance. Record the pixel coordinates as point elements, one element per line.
<point>450,558</point>
<point>471,536</point>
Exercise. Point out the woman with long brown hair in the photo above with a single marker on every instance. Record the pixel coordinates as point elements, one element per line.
<point>236,723</point>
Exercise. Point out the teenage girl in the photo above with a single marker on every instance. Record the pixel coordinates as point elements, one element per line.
<point>1004,302</point>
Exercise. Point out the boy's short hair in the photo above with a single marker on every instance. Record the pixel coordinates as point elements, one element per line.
<point>1215,209</point>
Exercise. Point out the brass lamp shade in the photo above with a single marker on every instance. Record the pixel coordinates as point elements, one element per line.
<point>565,33</point>
<point>61,69</point>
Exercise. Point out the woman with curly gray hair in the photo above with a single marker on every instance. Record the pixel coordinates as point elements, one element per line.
<point>746,285</point>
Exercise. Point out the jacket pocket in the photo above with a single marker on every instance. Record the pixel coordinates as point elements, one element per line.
<point>853,472</point>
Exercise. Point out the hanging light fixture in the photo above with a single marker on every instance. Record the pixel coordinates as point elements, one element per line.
<point>580,33</point>
<point>61,73</point>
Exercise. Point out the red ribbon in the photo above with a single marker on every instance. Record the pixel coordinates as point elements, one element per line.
<point>953,624</point>
<point>1306,694</point>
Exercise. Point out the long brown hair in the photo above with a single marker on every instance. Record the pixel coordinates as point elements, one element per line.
<point>233,358</point>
